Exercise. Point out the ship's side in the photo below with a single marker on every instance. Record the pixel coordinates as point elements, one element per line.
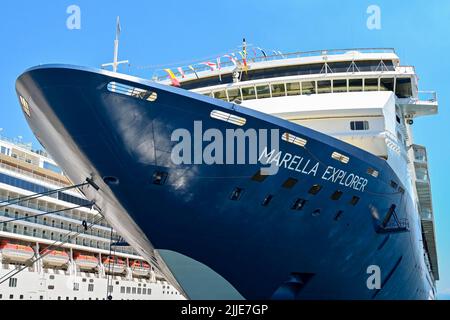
<point>44,236</point>
<point>343,202</point>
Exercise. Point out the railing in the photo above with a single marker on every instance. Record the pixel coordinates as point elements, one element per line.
<point>429,96</point>
<point>28,146</point>
<point>161,75</point>
<point>33,175</point>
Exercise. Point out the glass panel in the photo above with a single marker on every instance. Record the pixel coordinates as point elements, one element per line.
<point>248,93</point>
<point>263,91</point>
<point>403,88</point>
<point>308,87</point>
<point>220,95</point>
<point>354,85</point>
<point>324,86</point>
<point>233,94</point>
<point>278,90</point>
<point>293,88</point>
<point>371,84</point>
<point>387,84</point>
<point>340,85</point>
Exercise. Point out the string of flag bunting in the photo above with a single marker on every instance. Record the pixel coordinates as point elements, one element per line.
<point>231,59</point>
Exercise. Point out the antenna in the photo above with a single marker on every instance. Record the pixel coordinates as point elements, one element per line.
<point>116,63</point>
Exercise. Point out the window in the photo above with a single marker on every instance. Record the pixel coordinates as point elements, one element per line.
<point>354,200</point>
<point>308,87</point>
<point>149,291</point>
<point>122,289</point>
<point>340,157</point>
<point>315,189</point>
<point>336,195</point>
<point>354,85</point>
<point>5,150</point>
<point>267,200</point>
<point>340,85</point>
<point>371,84</point>
<point>12,282</point>
<point>52,167</point>
<point>76,286</point>
<point>134,290</point>
<point>387,84</point>
<point>298,204</point>
<point>278,90</point>
<point>236,194</point>
<point>234,94</point>
<point>51,287</point>
<point>139,291</point>
<point>248,93</point>
<point>293,88</point>
<point>290,183</point>
<point>227,117</point>
<point>293,139</point>
<point>220,95</point>
<point>324,86</point>
<point>263,91</point>
<point>374,173</point>
<point>128,290</point>
<point>91,287</point>
<point>359,125</point>
<point>403,88</point>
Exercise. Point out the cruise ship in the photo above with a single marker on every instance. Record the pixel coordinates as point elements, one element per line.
<point>337,206</point>
<point>46,253</point>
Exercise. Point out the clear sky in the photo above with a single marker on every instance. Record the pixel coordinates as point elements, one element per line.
<point>165,32</point>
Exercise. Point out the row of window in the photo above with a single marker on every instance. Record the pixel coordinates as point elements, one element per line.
<point>33,187</point>
<point>401,86</point>
<point>134,290</point>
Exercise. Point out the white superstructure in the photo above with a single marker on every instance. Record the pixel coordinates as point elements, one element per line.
<point>60,258</point>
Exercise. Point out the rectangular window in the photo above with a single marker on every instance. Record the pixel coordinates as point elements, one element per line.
<point>139,291</point>
<point>403,88</point>
<point>122,289</point>
<point>234,94</point>
<point>263,91</point>
<point>134,290</point>
<point>12,282</point>
<point>359,125</point>
<point>371,84</point>
<point>278,90</point>
<point>222,95</point>
<point>76,286</point>
<point>308,87</point>
<point>293,88</point>
<point>324,86</point>
<point>340,85</point>
<point>354,85</point>
<point>91,287</point>
<point>387,84</point>
<point>248,93</point>
<point>128,290</point>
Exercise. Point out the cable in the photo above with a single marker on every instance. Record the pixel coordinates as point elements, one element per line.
<point>14,272</point>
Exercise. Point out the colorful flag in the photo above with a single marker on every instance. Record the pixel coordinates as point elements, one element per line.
<point>193,70</point>
<point>172,77</point>
<point>180,70</point>
<point>232,59</point>
<point>263,52</point>
<point>219,67</point>
<point>210,64</point>
<point>244,54</point>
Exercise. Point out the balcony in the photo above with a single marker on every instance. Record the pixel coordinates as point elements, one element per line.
<point>426,103</point>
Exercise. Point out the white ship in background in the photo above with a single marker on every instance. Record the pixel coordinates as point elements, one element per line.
<point>61,260</point>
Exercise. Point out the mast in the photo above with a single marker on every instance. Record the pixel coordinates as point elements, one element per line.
<point>115,62</point>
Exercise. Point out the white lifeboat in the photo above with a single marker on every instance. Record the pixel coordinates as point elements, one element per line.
<point>54,258</point>
<point>114,265</point>
<point>15,252</point>
<point>86,262</point>
<point>140,268</point>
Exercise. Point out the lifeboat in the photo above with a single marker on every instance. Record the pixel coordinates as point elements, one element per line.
<point>54,258</point>
<point>15,252</point>
<point>114,265</point>
<point>140,268</point>
<point>86,262</point>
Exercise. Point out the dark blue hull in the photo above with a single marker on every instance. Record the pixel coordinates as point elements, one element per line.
<point>319,252</point>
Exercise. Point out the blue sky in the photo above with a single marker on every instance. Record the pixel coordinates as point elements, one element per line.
<point>166,32</point>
